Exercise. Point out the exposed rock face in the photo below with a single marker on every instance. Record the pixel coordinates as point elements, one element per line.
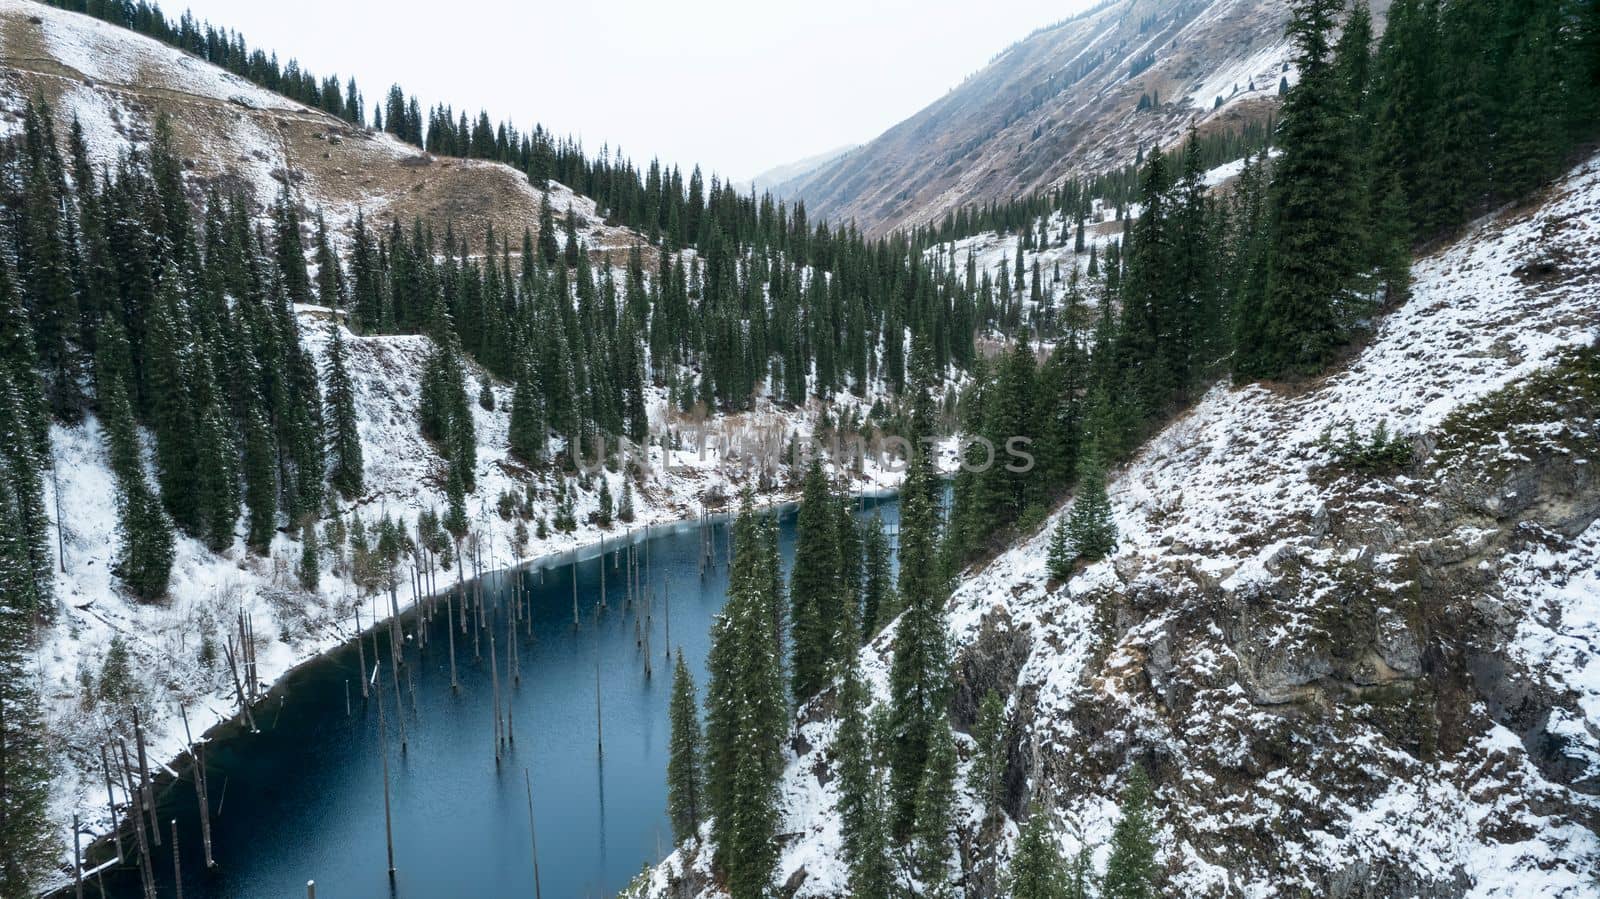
<point>1066,100</point>
<point>1271,718</point>
<point>1342,682</point>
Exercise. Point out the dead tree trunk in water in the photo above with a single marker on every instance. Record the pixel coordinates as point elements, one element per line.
<point>144,778</point>
<point>137,797</point>
<point>111,803</point>
<point>383,752</point>
<point>449,628</point>
<point>361,654</point>
<point>177,864</point>
<point>238,688</point>
<point>197,753</point>
<point>533,835</point>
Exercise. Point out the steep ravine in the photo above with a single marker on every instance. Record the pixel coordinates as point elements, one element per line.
<point>1344,680</point>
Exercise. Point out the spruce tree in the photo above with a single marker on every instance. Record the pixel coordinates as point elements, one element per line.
<point>919,677</point>
<point>344,435</point>
<point>877,589</point>
<point>21,467</point>
<point>746,716</point>
<point>47,262</point>
<point>863,823</point>
<point>330,280</point>
<point>526,433</point>
<point>988,773</point>
<point>216,475</point>
<point>1062,555</point>
<point>1079,875</point>
<point>145,552</point>
<point>685,787</point>
<point>445,412</point>
<point>1131,870</point>
<point>1090,529</point>
<point>1037,870</point>
<point>21,362</point>
<point>260,480</point>
<point>625,511</point>
<point>455,516</point>
<point>309,571</point>
<point>814,588</point>
<point>168,349</point>
<point>28,851</point>
<point>1315,183</point>
<point>603,505</point>
<point>935,803</point>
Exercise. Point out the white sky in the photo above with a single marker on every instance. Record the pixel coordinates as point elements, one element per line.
<point>738,86</point>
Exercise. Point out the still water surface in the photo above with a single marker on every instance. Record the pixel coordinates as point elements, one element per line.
<point>303,799</point>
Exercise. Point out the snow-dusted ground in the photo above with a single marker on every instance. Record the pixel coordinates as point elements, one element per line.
<point>1140,656</point>
<point>115,82</point>
<point>404,475</point>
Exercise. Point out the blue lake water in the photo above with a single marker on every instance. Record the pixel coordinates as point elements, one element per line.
<point>303,799</point>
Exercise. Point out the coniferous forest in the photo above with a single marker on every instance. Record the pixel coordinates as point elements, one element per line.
<point>170,319</point>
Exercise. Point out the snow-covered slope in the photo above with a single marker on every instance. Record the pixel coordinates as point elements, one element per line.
<point>1064,101</point>
<point>231,133</point>
<point>234,134</point>
<point>171,664</point>
<point>1343,683</point>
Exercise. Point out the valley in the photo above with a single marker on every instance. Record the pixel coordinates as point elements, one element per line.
<point>681,516</point>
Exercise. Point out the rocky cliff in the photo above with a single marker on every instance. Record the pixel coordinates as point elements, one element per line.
<point>1352,630</point>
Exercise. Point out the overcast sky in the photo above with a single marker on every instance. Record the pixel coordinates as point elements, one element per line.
<point>738,86</point>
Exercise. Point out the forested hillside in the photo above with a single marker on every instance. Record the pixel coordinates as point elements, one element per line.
<point>1238,670</point>
<point>269,361</point>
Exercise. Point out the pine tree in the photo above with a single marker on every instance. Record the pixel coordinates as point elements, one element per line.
<point>919,677</point>
<point>21,467</point>
<point>877,599</point>
<point>1131,870</point>
<point>344,436</point>
<point>935,803</point>
<point>988,774</point>
<point>1037,870</point>
<point>1090,529</point>
<point>27,845</point>
<point>145,553</point>
<point>685,787</point>
<point>309,571</point>
<point>746,716</point>
<point>526,432</point>
<point>862,817</point>
<point>814,588</point>
<point>1315,182</point>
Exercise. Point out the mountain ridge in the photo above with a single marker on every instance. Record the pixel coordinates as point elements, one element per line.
<point>1063,102</point>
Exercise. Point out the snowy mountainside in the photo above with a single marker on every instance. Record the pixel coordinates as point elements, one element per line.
<point>1344,682</point>
<point>405,475</point>
<point>1064,101</point>
<point>778,175</point>
<point>232,133</point>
